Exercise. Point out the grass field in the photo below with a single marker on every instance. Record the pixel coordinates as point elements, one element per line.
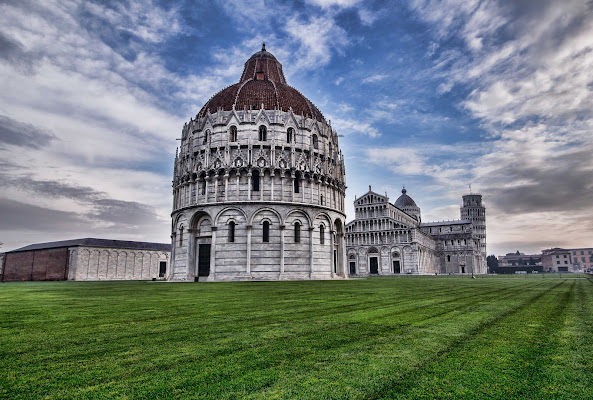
<point>528,337</point>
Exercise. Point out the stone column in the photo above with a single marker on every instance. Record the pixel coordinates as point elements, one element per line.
<point>249,249</point>
<point>207,189</point>
<point>261,185</point>
<point>272,176</point>
<point>191,255</point>
<point>282,186</point>
<point>292,187</point>
<point>215,181</point>
<point>310,252</point>
<point>226,186</point>
<point>238,184</point>
<point>249,185</point>
<point>282,249</point>
<point>331,246</point>
<point>213,253</point>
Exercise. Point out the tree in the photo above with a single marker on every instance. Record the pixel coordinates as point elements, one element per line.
<point>492,263</point>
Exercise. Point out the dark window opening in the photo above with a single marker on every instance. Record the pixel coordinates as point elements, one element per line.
<point>206,135</point>
<point>204,186</point>
<point>266,232</point>
<point>255,181</point>
<point>263,133</point>
<point>321,201</point>
<point>289,135</point>
<point>233,134</point>
<point>297,232</point>
<point>181,236</point>
<point>315,142</point>
<point>162,268</point>
<point>297,183</point>
<point>231,231</point>
<point>321,234</point>
<point>449,258</point>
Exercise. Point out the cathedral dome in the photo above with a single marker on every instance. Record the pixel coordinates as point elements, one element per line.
<point>262,85</point>
<point>404,200</point>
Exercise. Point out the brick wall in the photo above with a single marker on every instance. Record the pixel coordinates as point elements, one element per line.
<point>37,265</point>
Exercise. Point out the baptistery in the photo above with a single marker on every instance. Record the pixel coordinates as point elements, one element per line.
<point>258,185</point>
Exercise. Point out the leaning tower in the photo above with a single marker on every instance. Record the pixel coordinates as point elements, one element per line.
<point>258,185</point>
<point>473,210</point>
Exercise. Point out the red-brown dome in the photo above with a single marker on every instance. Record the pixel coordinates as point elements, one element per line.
<point>262,82</point>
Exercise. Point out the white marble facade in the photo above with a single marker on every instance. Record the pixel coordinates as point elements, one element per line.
<point>390,239</point>
<point>258,192</point>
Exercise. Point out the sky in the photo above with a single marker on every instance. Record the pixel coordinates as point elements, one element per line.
<point>431,95</point>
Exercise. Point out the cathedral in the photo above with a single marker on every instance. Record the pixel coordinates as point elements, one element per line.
<point>258,186</point>
<point>391,239</point>
<point>258,194</point>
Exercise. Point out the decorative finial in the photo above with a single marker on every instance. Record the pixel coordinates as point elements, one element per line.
<point>369,188</point>
<point>263,46</point>
<point>404,190</point>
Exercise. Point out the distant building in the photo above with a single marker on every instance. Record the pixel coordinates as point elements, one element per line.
<point>557,260</point>
<point>582,259</point>
<point>390,239</point>
<point>86,259</point>
<point>512,263</point>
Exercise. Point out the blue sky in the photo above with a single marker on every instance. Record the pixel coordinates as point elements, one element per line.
<point>433,95</point>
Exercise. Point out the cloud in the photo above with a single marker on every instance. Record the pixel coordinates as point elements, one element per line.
<point>334,3</point>
<point>351,126</point>
<point>317,37</point>
<point>375,78</point>
<point>16,133</point>
<point>339,80</point>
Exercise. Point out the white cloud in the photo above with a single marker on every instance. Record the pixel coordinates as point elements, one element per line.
<point>375,78</point>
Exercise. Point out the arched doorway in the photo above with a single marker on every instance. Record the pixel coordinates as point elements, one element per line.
<point>352,264</point>
<point>203,241</point>
<point>396,263</point>
<point>373,261</point>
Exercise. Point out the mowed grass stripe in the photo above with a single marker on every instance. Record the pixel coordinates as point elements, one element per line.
<point>492,361</point>
<point>249,340</point>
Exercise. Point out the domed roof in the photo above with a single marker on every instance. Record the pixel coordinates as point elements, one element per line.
<point>262,82</point>
<point>404,200</point>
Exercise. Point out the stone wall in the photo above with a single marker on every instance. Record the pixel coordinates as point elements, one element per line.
<point>96,264</point>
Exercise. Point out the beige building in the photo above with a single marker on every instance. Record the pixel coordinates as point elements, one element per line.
<point>557,260</point>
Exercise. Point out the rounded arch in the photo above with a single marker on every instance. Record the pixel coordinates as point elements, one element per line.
<point>240,211</point>
<point>297,211</point>
<point>180,217</point>
<point>260,210</point>
<point>373,250</point>
<point>197,217</point>
<point>339,226</point>
<point>323,216</point>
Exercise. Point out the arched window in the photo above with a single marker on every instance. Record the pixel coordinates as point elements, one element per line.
<point>255,181</point>
<point>233,134</point>
<point>297,232</point>
<point>266,232</point>
<point>232,231</point>
<point>206,136</point>
<point>204,186</point>
<point>263,133</point>
<point>297,182</point>
<point>321,200</point>
<point>321,234</point>
<point>448,258</point>
<point>315,142</point>
<point>181,236</point>
<point>289,135</point>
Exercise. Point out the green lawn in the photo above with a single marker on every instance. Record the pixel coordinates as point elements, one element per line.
<point>528,337</point>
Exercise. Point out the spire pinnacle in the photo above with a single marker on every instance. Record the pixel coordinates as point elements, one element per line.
<point>263,46</point>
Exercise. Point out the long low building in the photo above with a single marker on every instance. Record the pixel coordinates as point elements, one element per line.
<point>87,259</point>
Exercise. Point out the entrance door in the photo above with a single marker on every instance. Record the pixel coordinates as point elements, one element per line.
<point>204,260</point>
<point>352,268</point>
<point>162,268</point>
<point>374,265</point>
<point>396,267</point>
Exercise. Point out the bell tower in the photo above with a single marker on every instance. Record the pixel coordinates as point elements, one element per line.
<point>473,210</point>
